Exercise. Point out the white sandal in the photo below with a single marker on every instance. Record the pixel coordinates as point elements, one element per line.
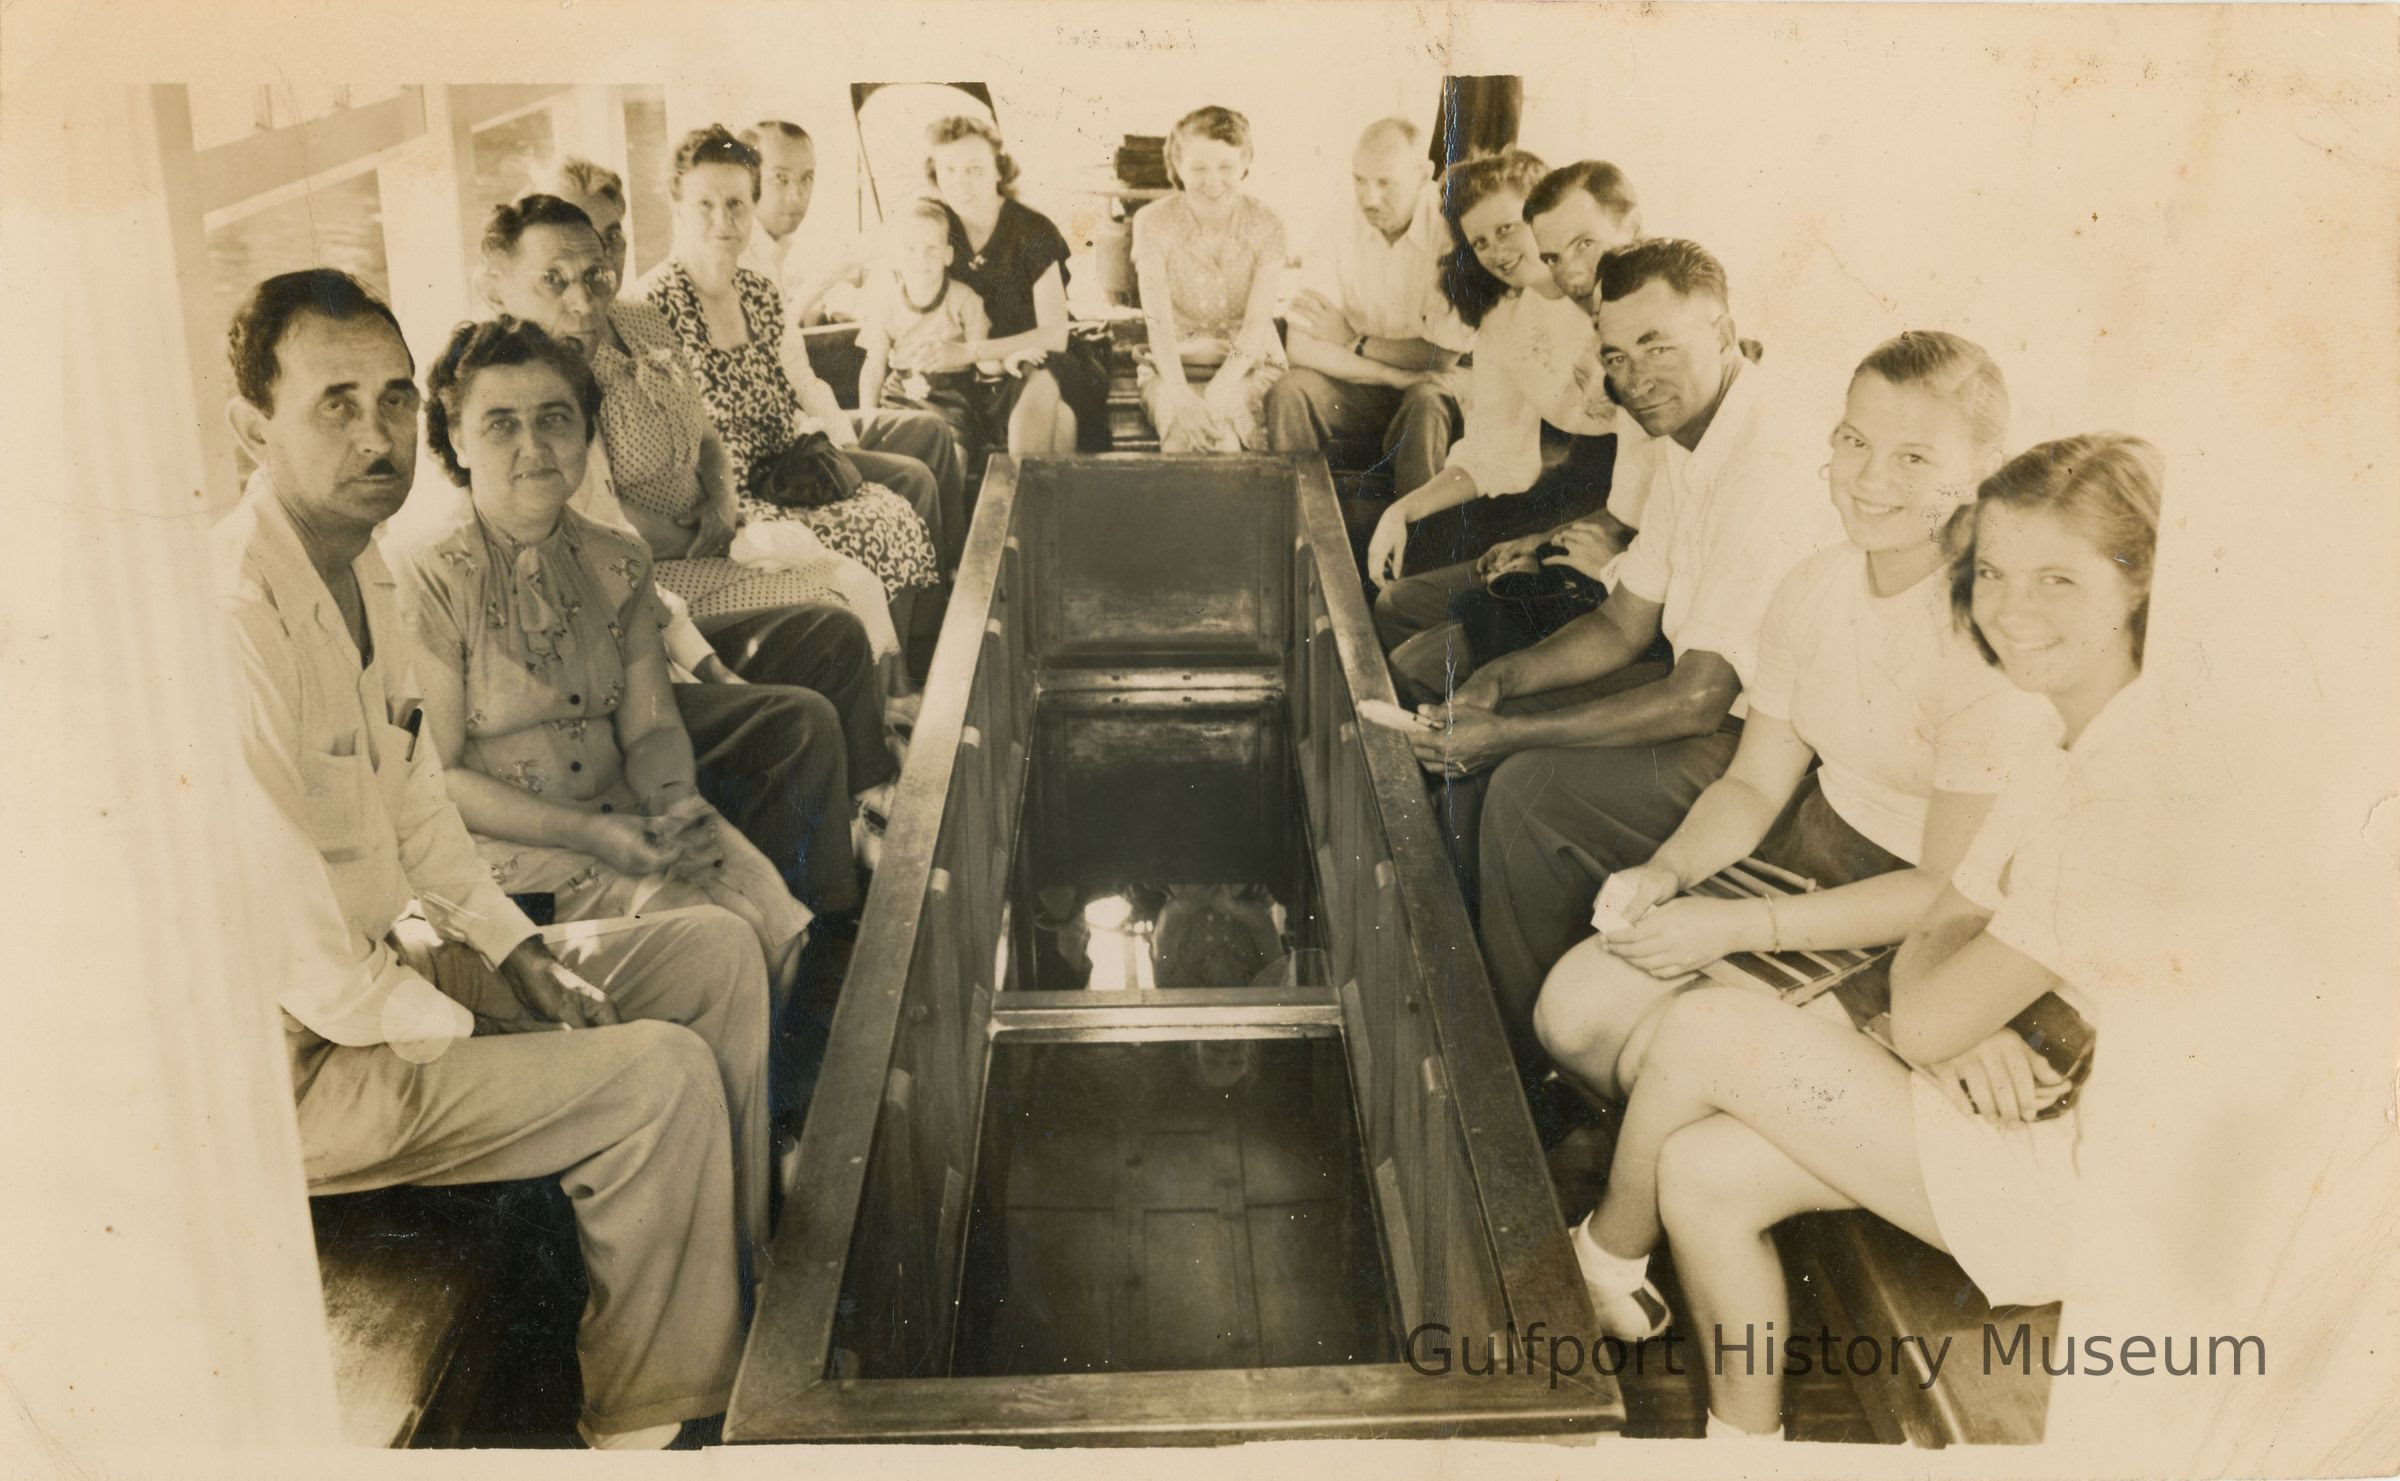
<point>1629,1315</point>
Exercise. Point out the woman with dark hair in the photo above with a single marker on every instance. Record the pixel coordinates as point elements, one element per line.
<point>729,322</point>
<point>1529,433</point>
<point>1050,399</point>
<point>545,683</point>
<point>1745,1111</point>
<point>1209,259</point>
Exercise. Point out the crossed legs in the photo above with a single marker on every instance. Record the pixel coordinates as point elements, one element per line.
<point>1743,1113</point>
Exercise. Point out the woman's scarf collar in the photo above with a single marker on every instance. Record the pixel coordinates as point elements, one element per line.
<point>533,591</point>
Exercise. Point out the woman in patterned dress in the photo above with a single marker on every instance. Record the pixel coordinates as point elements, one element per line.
<point>1209,259</point>
<point>729,322</point>
<point>545,678</point>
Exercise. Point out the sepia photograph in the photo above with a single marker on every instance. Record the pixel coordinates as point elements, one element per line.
<point>1454,736</point>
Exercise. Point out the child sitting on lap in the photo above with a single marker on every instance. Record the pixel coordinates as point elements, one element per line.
<point>911,304</point>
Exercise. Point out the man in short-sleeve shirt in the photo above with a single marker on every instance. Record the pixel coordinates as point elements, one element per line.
<point>1598,748</point>
<point>1372,342</point>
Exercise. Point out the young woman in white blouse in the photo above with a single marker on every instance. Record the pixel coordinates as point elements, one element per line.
<point>1745,1112</point>
<point>1860,670</point>
<point>1528,338</point>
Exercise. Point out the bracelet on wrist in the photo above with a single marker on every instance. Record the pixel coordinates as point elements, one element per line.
<point>1774,925</point>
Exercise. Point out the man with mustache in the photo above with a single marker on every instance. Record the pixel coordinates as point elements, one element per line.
<point>1581,731</point>
<point>434,1035</point>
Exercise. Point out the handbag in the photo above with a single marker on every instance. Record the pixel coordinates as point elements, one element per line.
<point>809,474</point>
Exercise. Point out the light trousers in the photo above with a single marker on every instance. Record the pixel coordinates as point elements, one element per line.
<point>655,1128</point>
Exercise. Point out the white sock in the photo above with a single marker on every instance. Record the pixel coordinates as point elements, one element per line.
<point>1613,1271</point>
<point>1725,1429</point>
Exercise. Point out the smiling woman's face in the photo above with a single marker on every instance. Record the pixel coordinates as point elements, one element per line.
<point>1210,168</point>
<point>2055,608</point>
<point>520,436</point>
<point>1496,233</point>
<point>1903,458</point>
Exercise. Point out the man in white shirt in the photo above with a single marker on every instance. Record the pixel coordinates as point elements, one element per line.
<point>1371,340</point>
<point>1595,750</point>
<point>435,1036</point>
<point>787,185</point>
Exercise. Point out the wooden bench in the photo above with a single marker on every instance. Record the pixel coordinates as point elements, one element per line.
<point>405,1273</point>
<point>1876,1281</point>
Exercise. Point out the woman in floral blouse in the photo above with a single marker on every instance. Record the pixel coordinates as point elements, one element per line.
<point>546,688</point>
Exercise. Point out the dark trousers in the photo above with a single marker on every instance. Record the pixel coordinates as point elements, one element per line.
<point>1363,425</point>
<point>1439,624</point>
<point>913,453</point>
<point>770,759</point>
<point>1574,481</point>
<point>816,646</point>
<point>1439,627</point>
<point>1554,825</point>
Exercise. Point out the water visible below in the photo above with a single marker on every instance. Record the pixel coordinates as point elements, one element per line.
<point>1170,1206</point>
<point>1163,847</point>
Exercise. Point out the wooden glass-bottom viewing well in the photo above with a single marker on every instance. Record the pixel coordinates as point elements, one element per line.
<point>1166,1097</point>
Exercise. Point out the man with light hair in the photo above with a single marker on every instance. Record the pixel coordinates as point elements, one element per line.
<point>1372,342</point>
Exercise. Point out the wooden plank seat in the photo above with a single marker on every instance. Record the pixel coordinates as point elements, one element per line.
<point>405,1273</point>
<point>1874,1280</point>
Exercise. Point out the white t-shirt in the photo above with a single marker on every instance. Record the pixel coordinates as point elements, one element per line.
<point>1891,696</point>
<point>1722,523</point>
